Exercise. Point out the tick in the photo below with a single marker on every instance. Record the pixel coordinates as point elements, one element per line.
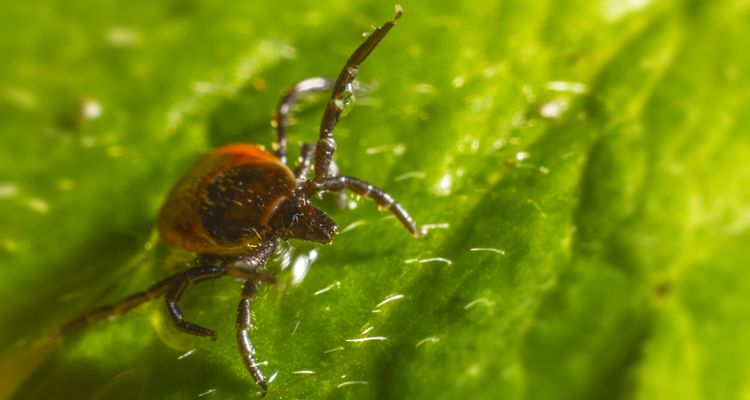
<point>236,203</point>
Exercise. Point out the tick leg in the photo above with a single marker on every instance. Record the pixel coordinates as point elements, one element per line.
<point>364,189</point>
<point>280,119</point>
<point>118,308</point>
<point>326,144</point>
<point>244,324</point>
<point>333,170</point>
<point>303,169</point>
<point>173,294</point>
<point>305,161</point>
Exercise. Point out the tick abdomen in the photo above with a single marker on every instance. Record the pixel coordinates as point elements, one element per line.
<point>235,207</point>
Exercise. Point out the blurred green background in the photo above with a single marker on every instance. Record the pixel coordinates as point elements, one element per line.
<point>584,165</point>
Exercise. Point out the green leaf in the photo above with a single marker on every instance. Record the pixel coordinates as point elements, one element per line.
<point>583,165</point>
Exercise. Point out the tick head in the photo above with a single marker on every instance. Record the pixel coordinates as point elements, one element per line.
<point>301,220</point>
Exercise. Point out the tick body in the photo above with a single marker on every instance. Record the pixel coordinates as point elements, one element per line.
<point>237,202</point>
<point>226,201</point>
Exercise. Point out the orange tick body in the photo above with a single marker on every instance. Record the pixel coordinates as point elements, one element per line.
<point>237,202</point>
<point>224,203</point>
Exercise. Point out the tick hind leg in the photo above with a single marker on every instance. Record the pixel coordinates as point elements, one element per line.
<point>172,287</point>
<point>244,324</point>
<point>118,308</point>
<point>250,271</point>
<point>364,189</point>
<point>173,294</point>
<point>281,117</point>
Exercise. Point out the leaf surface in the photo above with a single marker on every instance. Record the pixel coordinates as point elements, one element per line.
<point>583,166</point>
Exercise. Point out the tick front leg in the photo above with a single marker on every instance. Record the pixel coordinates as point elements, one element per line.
<point>173,294</point>
<point>244,324</point>
<point>364,189</point>
<point>337,103</point>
